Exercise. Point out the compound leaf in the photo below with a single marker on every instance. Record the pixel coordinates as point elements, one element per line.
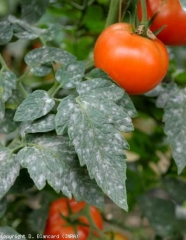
<point>95,122</point>
<point>49,158</point>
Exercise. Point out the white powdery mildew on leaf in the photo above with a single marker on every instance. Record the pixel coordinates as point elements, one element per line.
<point>52,159</point>
<point>51,32</point>
<point>6,32</point>
<point>45,55</point>
<point>76,181</point>
<point>42,165</point>
<point>8,83</point>
<point>36,105</point>
<point>100,88</point>
<point>94,122</point>
<point>9,170</point>
<point>64,112</point>
<point>45,124</point>
<point>26,35</point>
<point>160,213</point>
<point>175,128</point>
<point>113,113</point>
<point>127,105</point>
<point>2,110</point>
<point>70,76</point>
<point>102,150</point>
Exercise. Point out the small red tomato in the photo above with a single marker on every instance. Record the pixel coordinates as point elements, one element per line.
<point>172,15</point>
<point>57,225</point>
<point>136,63</point>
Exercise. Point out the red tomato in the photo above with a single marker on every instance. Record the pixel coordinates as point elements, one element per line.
<point>115,236</point>
<point>136,63</point>
<point>171,14</point>
<point>57,225</point>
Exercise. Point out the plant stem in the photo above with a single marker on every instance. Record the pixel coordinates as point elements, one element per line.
<point>22,90</point>
<point>24,74</point>
<point>144,12</point>
<point>54,89</point>
<point>113,13</point>
<point>2,61</point>
<point>120,11</point>
<point>125,6</point>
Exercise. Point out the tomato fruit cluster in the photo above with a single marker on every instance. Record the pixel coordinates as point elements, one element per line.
<point>59,213</point>
<point>170,14</point>
<point>136,63</point>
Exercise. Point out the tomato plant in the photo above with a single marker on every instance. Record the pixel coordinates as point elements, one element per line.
<point>67,130</point>
<point>63,220</point>
<point>169,14</point>
<point>136,63</point>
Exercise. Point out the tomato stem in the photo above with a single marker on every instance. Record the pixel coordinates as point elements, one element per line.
<point>144,13</point>
<point>113,13</point>
<point>2,62</point>
<point>120,11</point>
<point>114,9</point>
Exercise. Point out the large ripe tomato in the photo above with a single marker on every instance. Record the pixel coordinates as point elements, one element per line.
<point>56,224</point>
<point>171,14</point>
<point>115,236</point>
<point>136,63</point>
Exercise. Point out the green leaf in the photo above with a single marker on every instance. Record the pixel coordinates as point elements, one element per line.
<point>22,29</point>
<point>9,170</point>
<point>49,158</point>
<point>3,207</point>
<point>98,73</point>
<point>155,91</point>
<point>7,84</point>
<point>126,103</point>
<point>38,58</point>
<point>51,32</point>
<point>99,88</point>
<point>175,128</point>
<point>7,125</point>
<point>64,111</point>
<point>22,183</point>
<point>94,123</point>
<point>160,213</point>
<point>176,189</point>
<point>70,75</point>
<point>6,32</point>
<point>2,112</point>
<point>33,10</point>
<point>44,124</point>
<point>10,233</point>
<point>15,100</point>
<point>37,219</point>
<point>36,105</point>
